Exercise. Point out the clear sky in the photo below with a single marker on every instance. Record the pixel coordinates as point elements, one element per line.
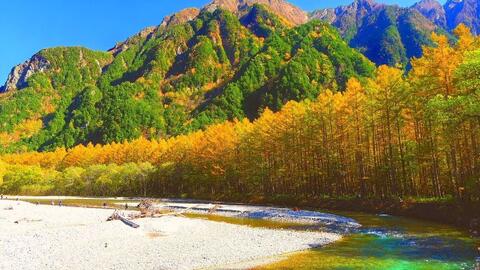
<point>26,26</point>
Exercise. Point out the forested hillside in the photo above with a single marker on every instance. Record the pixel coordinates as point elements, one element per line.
<point>386,34</point>
<point>389,136</point>
<point>391,34</point>
<point>195,69</point>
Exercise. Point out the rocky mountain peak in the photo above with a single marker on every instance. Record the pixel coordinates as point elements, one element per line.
<point>281,8</point>
<point>175,19</point>
<point>451,3</point>
<point>362,8</point>
<point>122,46</point>
<point>19,75</point>
<point>344,17</point>
<point>183,16</point>
<point>369,4</point>
<point>356,8</point>
<point>433,11</point>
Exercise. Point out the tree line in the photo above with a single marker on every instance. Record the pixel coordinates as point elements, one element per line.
<point>397,134</point>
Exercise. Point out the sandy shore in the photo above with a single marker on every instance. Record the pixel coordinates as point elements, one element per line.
<point>53,237</point>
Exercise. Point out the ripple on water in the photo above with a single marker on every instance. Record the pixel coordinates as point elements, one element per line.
<point>389,242</point>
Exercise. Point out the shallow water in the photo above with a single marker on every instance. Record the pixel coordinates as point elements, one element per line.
<point>383,242</point>
<point>387,242</point>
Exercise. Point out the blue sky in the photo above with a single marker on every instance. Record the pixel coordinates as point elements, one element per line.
<point>26,26</point>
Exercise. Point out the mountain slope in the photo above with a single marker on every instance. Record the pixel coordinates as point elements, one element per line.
<point>196,68</point>
<point>284,10</point>
<point>389,34</point>
<point>386,34</point>
<point>433,11</point>
<point>463,11</point>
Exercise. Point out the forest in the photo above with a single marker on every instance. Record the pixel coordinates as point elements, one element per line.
<point>395,135</point>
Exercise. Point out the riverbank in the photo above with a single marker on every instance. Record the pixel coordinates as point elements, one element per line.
<point>53,237</point>
<point>461,214</point>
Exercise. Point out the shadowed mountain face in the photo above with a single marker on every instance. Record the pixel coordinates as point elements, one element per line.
<point>386,34</point>
<point>453,13</point>
<point>197,68</point>
<point>463,11</point>
<point>433,11</point>
<point>389,34</point>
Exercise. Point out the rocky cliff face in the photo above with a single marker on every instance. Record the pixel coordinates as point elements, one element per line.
<point>281,8</point>
<point>183,16</point>
<point>144,34</point>
<point>180,17</point>
<point>347,18</point>
<point>17,79</point>
<point>463,11</point>
<point>433,11</point>
<point>453,13</point>
<point>357,9</point>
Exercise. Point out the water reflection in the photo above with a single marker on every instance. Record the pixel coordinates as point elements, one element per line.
<point>387,242</point>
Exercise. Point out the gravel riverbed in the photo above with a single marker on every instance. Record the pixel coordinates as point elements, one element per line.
<point>53,237</point>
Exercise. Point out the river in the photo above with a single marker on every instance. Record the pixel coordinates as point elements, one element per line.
<point>388,242</point>
<point>382,242</point>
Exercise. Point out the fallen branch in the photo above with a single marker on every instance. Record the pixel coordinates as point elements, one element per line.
<point>214,209</point>
<point>117,216</point>
<point>27,220</point>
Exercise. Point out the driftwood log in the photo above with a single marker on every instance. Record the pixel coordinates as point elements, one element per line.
<point>118,216</point>
<point>145,206</point>
<point>147,209</point>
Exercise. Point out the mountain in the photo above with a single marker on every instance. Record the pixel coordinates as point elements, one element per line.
<point>198,67</point>
<point>181,17</point>
<point>389,34</point>
<point>284,10</point>
<point>453,13</point>
<point>433,11</point>
<point>463,11</point>
<point>386,34</point>
<point>19,74</point>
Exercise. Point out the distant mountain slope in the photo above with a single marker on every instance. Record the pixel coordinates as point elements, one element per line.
<point>432,10</point>
<point>463,11</point>
<point>386,34</point>
<point>198,67</point>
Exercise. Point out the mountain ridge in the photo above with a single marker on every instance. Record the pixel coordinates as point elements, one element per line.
<point>386,34</point>
<point>281,8</point>
<point>401,31</point>
<point>229,60</point>
<point>461,11</point>
<point>174,78</point>
<point>432,10</point>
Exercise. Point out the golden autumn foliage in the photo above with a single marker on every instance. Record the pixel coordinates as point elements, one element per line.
<point>433,73</point>
<point>25,129</point>
<point>3,170</point>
